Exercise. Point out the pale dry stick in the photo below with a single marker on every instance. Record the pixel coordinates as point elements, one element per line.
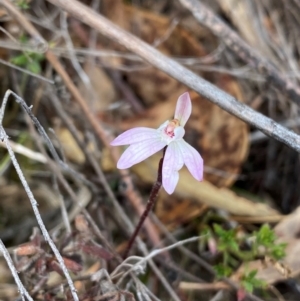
<point>154,253</point>
<point>104,53</point>
<point>258,136</point>
<point>20,149</point>
<point>45,20</point>
<point>70,47</point>
<point>14,272</point>
<point>158,41</point>
<point>63,208</point>
<point>7,44</point>
<point>218,296</point>
<point>11,37</point>
<point>272,219</point>
<point>58,172</point>
<point>39,43</point>
<point>193,81</point>
<point>182,248</point>
<point>241,72</point>
<point>192,286</point>
<point>40,77</point>
<point>144,291</point>
<point>206,17</point>
<point>47,140</point>
<point>34,205</point>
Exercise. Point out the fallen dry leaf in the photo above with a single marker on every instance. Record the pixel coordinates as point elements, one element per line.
<point>204,192</point>
<point>169,210</point>
<point>103,91</point>
<point>289,227</point>
<point>150,84</point>
<point>70,146</point>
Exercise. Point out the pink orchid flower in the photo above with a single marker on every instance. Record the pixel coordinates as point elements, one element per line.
<point>144,142</point>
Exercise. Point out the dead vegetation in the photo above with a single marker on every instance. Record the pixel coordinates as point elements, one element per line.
<point>80,75</point>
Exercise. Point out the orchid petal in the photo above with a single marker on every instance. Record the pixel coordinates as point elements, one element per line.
<point>140,151</point>
<point>192,159</point>
<point>173,162</point>
<point>135,135</point>
<point>178,132</point>
<point>183,108</point>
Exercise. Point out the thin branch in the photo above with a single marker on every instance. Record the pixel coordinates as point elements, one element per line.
<point>190,79</point>
<point>63,208</point>
<point>207,18</point>
<point>14,272</point>
<point>194,286</point>
<point>33,202</point>
<point>23,150</point>
<point>23,70</point>
<point>70,47</point>
<point>139,265</point>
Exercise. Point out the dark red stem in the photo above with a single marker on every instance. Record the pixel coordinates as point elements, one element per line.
<point>149,206</point>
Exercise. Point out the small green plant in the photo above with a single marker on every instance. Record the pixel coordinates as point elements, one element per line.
<point>227,239</point>
<point>222,270</point>
<point>266,238</point>
<point>29,60</point>
<point>234,252</point>
<point>249,281</point>
<point>23,4</point>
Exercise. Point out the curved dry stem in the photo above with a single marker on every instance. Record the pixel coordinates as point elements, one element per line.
<point>14,272</point>
<point>30,195</point>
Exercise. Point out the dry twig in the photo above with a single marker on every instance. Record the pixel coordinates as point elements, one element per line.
<point>30,195</point>
<point>160,61</point>
<point>14,272</point>
<point>207,18</point>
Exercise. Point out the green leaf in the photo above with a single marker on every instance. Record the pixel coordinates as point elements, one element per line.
<point>247,286</point>
<point>20,60</point>
<point>218,229</point>
<point>252,274</point>
<point>34,67</point>
<point>278,251</point>
<point>250,282</point>
<point>222,270</point>
<point>265,236</point>
<point>23,4</point>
